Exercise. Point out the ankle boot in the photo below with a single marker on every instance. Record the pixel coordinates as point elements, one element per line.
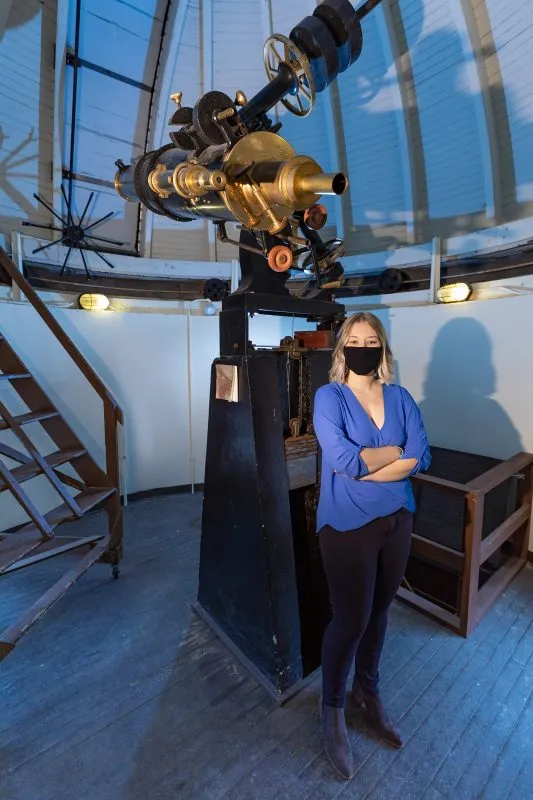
<point>375,715</point>
<point>336,741</point>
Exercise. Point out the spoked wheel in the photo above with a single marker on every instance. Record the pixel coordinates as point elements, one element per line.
<point>279,49</point>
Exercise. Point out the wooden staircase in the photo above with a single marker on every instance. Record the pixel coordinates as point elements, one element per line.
<point>21,461</point>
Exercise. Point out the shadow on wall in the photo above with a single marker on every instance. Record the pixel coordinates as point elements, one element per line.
<point>458,410</point>
<point>13,166</point>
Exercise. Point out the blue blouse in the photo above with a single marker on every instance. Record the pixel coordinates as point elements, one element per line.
<point>343,429</point>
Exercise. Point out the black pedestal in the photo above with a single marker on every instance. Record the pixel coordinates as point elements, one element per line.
<point>261,583</point>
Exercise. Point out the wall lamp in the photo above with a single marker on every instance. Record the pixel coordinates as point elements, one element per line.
<point>454,293</point>
<point>93,302</point>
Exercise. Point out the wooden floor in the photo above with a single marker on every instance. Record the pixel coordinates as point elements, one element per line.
<point>121,693</point>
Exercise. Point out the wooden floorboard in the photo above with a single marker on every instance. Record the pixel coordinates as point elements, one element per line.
<point>433,794</point>
<point>121,693</point>
<point>433,738</point>
<point>521,787</point>
<point>516,752</point>
<point>452,713</point>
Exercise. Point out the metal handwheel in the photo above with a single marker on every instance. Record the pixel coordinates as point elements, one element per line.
<point>279,49</point>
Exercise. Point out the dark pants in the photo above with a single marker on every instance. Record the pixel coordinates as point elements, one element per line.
<point>364,569</point>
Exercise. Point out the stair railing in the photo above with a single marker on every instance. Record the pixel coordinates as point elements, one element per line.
<point>113,415</point>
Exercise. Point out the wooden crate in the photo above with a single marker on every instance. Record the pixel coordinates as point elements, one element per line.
<point>470,536</point>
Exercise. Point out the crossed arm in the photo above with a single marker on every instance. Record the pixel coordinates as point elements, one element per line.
<point>396,471</point>
<point>378,458</point>
<point>380,464</point>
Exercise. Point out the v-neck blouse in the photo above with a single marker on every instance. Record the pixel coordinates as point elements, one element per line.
<point>360,407</point>
<point>343,429</point>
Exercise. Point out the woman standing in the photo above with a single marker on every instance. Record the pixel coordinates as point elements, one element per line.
<point>372,440</point>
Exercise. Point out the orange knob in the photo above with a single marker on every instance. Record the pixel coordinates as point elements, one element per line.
<point>315,217</point>
<point>280,258</point>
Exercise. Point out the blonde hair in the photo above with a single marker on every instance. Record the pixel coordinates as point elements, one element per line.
<point>339,370</point>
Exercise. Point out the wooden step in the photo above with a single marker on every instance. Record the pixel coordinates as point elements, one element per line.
<point>11,635</point>
<point>32,416</point>
<point>14,454</point>
<point>86,500</point>
<point>15,546</point>
<point>13,376</point>
<point>31,469</point>
<point>59,545</point>
<point>37,457</point>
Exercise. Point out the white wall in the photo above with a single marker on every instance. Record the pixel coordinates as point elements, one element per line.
<point>143,359</point>
<point>468,365</point>
<point>470,368</point>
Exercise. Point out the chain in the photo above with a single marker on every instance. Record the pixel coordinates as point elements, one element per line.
<point>308,400</point>
<point>305,408</point>
<point>312,493</point>
<point>294,354</point>
<point>288,372</point>
<point>301,393</point>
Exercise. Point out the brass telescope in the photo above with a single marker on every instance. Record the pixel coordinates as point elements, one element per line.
<point>227,163</point>
<point>260,182</point>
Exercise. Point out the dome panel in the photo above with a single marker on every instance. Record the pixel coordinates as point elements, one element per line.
<point>238,40</point>
<point>446,107</point>
<point>119,40</point>
<point>170,239</point>
<point>285,14</point>
<point>371,117</point>
<point>237,63</point>
<point>26,114</point>
<point>433,124</point>
<point>512,30</point>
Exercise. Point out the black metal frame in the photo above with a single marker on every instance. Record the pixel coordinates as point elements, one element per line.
<point>237,308</point>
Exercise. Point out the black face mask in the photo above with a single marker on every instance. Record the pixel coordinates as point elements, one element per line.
<point>363,360</point>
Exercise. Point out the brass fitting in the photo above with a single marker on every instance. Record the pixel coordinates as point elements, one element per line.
<point>267,182</point>
<point>188,180</point>
<point>192,180</point>
<point>159,181</point>
<point>225,114</point>
<point>298,182</point>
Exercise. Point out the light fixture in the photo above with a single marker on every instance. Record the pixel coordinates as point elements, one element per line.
<point>209,309</point>
<point>454,293</point>
<point>93,302</point>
